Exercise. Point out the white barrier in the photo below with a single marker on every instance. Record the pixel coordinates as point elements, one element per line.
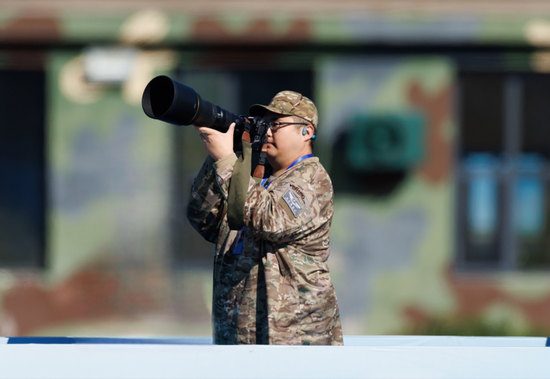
<point>446,341</point>
<point>362,357</point>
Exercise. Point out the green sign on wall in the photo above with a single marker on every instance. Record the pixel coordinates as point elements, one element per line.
<point>385,142</point>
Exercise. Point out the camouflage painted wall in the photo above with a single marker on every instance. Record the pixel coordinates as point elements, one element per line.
<point>110,269</point>
<point>390,249</point>
<point>394,252</point>
<point>241,25</point>
<point>108,261</point>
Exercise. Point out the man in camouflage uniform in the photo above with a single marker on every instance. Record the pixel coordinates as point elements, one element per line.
<point>271,279</point>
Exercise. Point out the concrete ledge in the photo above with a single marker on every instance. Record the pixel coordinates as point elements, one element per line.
<point>151,360</point>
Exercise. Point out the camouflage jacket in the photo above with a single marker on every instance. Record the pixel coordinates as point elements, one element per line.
<point>277,290</point>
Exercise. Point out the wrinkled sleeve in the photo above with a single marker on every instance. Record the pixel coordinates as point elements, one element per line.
<point>287,212</point>
<point>208,201</point>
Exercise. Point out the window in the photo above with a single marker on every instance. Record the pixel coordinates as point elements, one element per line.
<point>504,171</point>
<point>22,169</point>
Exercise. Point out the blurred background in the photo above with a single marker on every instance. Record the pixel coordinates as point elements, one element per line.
<point>434,126</point>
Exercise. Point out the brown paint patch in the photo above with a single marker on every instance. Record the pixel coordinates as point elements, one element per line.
<point>92,294</point>
<point>474,295</point>
<point>31,30</point>
<point>259,31</point>
<point>416,316</point>
<point>437,109</point>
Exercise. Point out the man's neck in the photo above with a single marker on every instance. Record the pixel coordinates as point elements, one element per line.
<point>278,169</point>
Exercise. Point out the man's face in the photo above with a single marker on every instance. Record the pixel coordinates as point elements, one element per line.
<point>285,143</point>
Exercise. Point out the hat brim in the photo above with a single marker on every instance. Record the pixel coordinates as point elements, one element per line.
<point>259,110</point>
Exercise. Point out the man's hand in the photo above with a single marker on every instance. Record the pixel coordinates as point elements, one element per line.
<point>219,145</point>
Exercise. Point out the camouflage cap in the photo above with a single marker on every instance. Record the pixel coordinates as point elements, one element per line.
<point>288,103</point>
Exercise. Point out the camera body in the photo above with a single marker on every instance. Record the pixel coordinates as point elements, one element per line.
<point>170,101</point>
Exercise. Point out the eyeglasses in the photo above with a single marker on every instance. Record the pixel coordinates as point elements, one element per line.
<point>276,125</point>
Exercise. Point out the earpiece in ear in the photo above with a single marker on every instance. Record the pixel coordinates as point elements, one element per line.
<point>304,130</point>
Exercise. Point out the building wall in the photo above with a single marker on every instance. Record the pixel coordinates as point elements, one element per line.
<point>390,248</point>
<point>114,197</point>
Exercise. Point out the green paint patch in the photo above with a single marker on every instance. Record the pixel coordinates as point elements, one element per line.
<point>529,286</point>
<point>6,16</point>
<point>505,30</point>
<point>478,327</point>
<point>76,240</point>
<point>91,27</point>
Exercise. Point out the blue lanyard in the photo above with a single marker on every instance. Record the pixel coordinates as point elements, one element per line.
<point>237,246</point>
<point>299,160</point>
<point>264,180</point>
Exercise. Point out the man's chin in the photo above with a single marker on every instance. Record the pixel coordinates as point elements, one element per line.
<point>270,153</point>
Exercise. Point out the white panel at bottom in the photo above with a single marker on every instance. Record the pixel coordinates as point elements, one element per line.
<point>200,361</point>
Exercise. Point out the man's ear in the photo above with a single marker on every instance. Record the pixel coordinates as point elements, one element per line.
<point>309,132</point>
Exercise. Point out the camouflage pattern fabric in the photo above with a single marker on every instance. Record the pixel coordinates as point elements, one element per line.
<point>278,289</point>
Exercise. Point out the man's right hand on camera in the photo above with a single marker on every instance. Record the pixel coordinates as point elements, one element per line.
<point>218,145</point>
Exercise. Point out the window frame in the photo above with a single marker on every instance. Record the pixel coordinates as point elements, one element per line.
<point>506,176</point>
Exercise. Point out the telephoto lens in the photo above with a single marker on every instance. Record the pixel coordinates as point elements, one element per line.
<point>170,101</point>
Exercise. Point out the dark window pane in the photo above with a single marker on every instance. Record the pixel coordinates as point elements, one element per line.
<point>259,87</point>
<point>22,184</point>
<point>532,213</point>
<point>536,114</point>
<point>481,113</point>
